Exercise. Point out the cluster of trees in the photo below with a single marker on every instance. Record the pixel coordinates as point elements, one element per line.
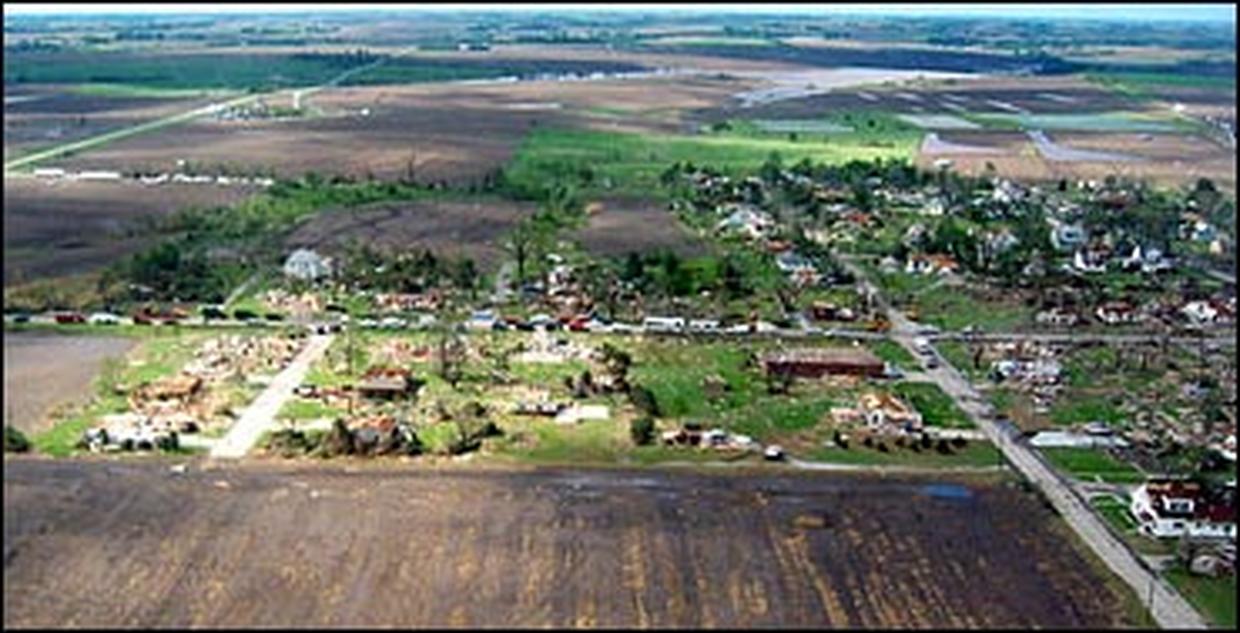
<point>366,267</point>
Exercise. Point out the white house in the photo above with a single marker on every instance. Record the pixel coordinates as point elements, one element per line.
<point>1200,311</point>
<point>307,265</point>
<point>663,324</point>
<point>1171,508</point>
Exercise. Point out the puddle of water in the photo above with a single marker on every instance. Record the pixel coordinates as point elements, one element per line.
<point>947,491</point>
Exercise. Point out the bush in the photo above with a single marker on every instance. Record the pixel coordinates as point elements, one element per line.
<point>644,400</point>
<point>642,431</point>
<point>14,440</point>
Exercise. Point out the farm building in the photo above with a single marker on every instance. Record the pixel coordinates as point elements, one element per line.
<point>1171,508</point>
<point>386,383</point>
<point>819,362</point>
<point>307,265</point>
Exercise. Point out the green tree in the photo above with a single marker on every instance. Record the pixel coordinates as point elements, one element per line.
<point>642,430</point>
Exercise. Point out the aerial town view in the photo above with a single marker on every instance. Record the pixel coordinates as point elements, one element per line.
<point>641,316</point>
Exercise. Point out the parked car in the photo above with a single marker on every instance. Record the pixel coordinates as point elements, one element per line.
<point>244,315</point>
<point>70,317</point>
<point>213,312</point>
<point>773,453</point>
<point>21,318</point>
<point>104,318</point>
<point>273,316</point>
<point>142,318</point>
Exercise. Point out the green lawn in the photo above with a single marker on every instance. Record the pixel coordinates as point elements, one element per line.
<point>298,409</point>
<point>613,162</point>
<point>1214,597</point>
<point>958,354</point>
<point>1087,464</point>
<point>1071,408</point>
<point>674,372</point>
<point>894,353</point>
<point>936,407</point>
<point>157,357</point>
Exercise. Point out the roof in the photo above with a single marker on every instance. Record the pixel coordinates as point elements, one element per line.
<point>1216,505</point>
<point>824,355</point>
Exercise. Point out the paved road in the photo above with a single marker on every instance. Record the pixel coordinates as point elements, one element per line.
<point>1168,608</point>
<point>75,146</point>
<point>208,109</point>
<point>261,414</point>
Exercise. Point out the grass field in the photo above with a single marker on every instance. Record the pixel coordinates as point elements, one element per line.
<point>1144,84</point>
<point>181,72</point>
<point>607,162</point>
<point>154,358</point>
<point>1074,408</point>
<point>1215,597</point>
<point>1103,122</point>
<point>1088,464</point>
<point>936,407</point>
<point>132,91</point>
<point>894,353</point>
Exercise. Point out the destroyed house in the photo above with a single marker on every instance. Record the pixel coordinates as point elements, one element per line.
<point>180,387</point>
<point>386,383</point>
<point>819,362</point>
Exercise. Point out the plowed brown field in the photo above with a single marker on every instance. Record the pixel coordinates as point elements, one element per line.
<point>132,544</point>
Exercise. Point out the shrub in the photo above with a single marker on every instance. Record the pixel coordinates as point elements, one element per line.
<point>644,400</point>
<point>14,440</point>
<point>642,431</point>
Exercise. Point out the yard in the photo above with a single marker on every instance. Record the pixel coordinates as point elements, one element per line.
<point>155,357</point>
<point>1215,597</point>
<point>936,407</point>
<point>1090,464</point>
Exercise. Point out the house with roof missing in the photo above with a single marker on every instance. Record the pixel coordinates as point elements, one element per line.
<point>1168,508</point>
<point>386,383</point>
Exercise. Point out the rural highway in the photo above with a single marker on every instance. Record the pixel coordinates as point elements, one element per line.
<point>1168,608</point>
<point>260,416</point>
<point>208,109</point>
<point>75,146</point>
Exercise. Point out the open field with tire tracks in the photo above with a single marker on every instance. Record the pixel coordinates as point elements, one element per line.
<point>133,543</point>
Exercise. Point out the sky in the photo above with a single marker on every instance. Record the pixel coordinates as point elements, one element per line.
<point>1134,11</point>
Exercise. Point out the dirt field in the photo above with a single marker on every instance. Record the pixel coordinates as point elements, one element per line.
<point>1042,95</point>
<point>74,227</point>
<point>90,543</point>
<point>41,371</point>
<point>470,229</point>
<point>624,226</point>
<point>1165,159</point>
<point>45,116</point>
<point>452,132</point>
